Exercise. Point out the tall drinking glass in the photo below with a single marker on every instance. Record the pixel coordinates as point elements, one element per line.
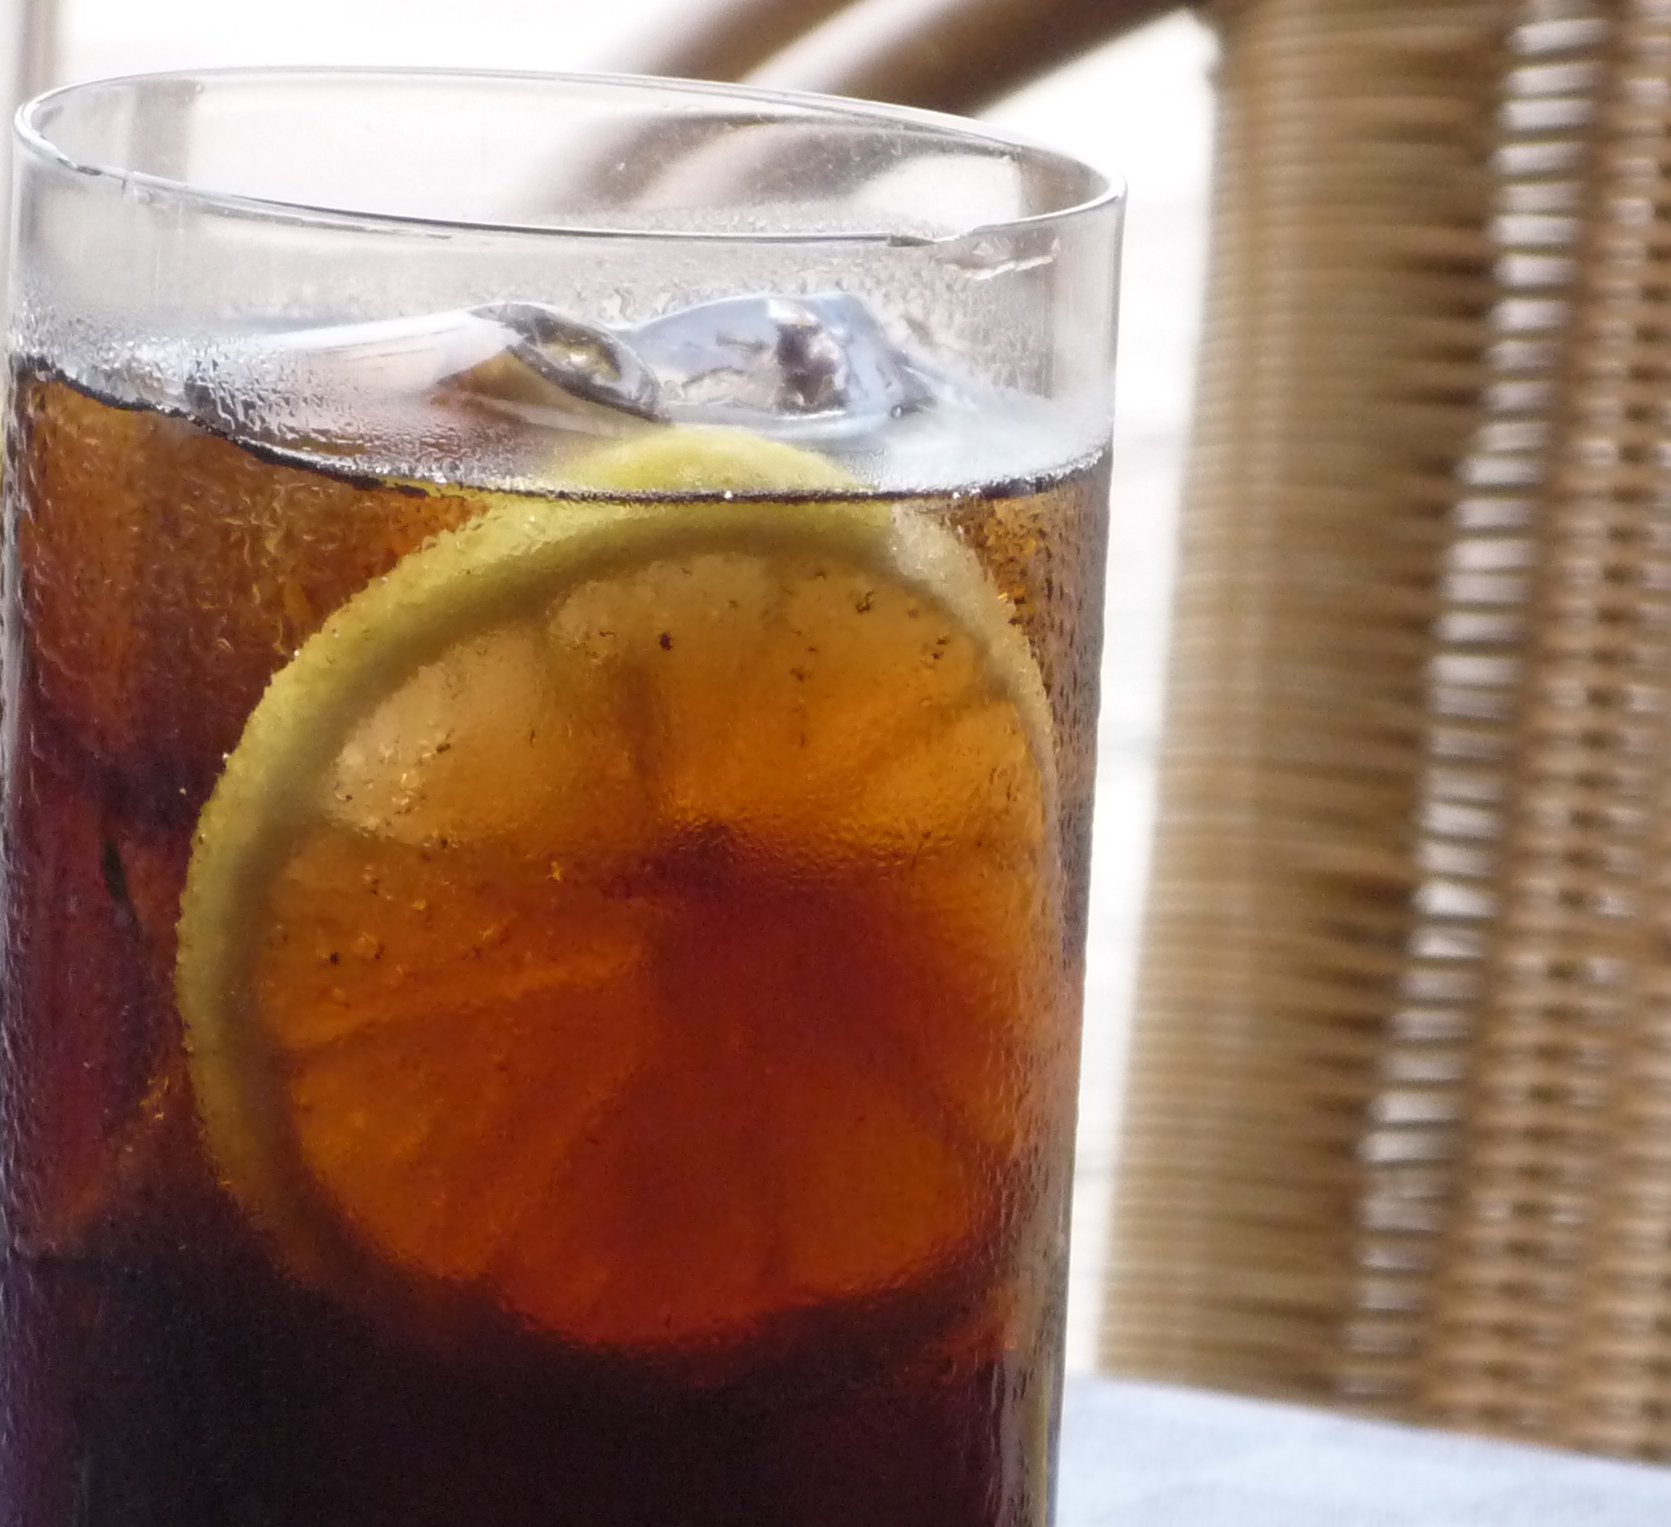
<point>551,635</point>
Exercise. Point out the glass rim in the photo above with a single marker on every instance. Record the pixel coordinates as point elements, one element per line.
<point>1106,194</point>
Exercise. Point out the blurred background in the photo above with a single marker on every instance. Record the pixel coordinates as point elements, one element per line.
<point>1140,108</point>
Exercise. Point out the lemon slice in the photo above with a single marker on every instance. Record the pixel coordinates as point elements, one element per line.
<point>641,917</point>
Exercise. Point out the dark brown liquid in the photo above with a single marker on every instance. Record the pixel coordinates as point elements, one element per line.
<point>158,1364</point>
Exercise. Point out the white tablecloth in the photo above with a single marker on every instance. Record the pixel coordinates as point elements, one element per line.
<point>1139,1455</point>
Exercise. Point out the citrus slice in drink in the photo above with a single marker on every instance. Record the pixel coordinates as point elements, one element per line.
<point>640,916</point>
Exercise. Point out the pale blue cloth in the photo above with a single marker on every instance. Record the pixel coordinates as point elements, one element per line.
<point>1141,1455</point>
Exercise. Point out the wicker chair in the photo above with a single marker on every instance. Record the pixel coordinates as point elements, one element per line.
<point>1399,1132</point>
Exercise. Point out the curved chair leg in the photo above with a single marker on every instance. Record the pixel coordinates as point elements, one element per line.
<point>951,55</point>
<point>727,39</point>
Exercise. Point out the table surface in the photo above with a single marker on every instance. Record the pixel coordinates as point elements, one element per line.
<point>1142,1455</point>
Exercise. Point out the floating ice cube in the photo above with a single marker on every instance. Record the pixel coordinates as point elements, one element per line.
<point>554,366</point>
<point>340,384</point>
<point>782,365</point>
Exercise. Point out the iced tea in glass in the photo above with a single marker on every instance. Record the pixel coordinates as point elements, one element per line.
<point>551,631</point>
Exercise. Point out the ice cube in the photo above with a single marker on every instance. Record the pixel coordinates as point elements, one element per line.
<point>338,386</point>
<point>555,367</point>
<point>783,365</point>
